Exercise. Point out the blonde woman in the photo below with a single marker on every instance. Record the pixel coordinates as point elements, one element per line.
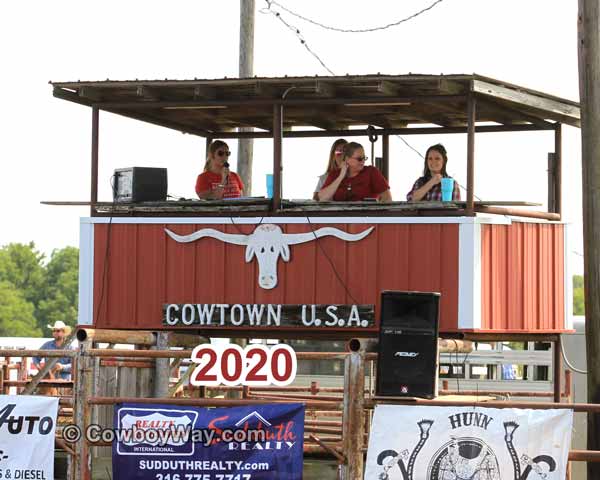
<point>354,181</point>
<point>217,181</point>
<point>336,154</point>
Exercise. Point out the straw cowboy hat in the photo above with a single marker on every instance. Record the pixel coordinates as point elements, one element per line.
<point>58,325</point>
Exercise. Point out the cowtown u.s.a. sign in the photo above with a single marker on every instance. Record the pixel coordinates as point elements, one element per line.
<point>468,443</point>
<point>252,316</point>
<point>268,243</point>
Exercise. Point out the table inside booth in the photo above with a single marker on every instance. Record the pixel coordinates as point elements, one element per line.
<point>262,205</point>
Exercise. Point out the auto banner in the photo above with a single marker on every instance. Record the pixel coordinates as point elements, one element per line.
<point>165,442</point>
<point>460,443</point>
<point>27,426</point>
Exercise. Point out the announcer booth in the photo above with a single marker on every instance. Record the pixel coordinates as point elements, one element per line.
<point>501,270</point>
<point>279,268</point>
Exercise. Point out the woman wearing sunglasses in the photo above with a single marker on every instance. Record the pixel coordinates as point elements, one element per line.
<point>335,162</point>
<point>354,181</point>
<point>217,181</point>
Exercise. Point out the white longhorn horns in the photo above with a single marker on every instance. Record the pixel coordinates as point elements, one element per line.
<point>268,243</point>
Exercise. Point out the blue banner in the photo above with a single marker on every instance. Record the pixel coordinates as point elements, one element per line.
<point>166,442</point>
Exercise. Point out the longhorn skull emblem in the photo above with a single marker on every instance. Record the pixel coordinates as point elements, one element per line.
<point>268,243</point>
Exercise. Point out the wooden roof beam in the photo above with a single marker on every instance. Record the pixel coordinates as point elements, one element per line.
<point>148,93</point>
<point>262,89</point>
<point>450,87</point>
<point>90,93</point>
<point>435,118</point>
<point>387,88</point>
<point>204,93</point>
<point>324,89</point>
<point>322,122</point>
<point>510,114</point>
<point>556,110</point>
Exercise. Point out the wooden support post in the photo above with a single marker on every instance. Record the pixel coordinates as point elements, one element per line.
<point>385,154</point>
<point>558,169</point>
<point>277,152</point>
<point>246,145</point>
<point>95,146</point>
<point>353,420</point>
<point>589,93</point>
<point>551,183</point>
<point>82,410</point>
<point>558,368</point>
<point>471,116</point>
<point>161,367</point>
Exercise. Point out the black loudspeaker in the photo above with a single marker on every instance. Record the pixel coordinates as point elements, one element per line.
<point>140,184</point>
<point>407,365</point>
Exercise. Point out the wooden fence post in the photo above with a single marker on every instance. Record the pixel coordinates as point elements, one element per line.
<point>84,383</point>
<point>161,367</point>
<point>354,413</point>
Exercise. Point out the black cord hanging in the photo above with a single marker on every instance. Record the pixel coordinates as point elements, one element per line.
<point>372,138</point>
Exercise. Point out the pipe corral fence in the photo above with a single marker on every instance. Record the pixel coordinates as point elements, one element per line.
<point>337,419</point>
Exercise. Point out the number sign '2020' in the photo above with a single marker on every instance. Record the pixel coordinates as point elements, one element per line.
<point>255,365</point>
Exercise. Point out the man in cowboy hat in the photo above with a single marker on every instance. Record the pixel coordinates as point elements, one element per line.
<point>62,368</point>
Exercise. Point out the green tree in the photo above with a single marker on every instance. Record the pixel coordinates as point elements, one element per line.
<point>61,289</point>
<point>16,313</point>
<point>35,294</point>
<point>22,266</point>
<point>578,297</point>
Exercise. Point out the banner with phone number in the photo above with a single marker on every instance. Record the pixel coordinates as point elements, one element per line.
<point>277,453</point>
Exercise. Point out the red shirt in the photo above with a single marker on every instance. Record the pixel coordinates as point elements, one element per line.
<point>369,183</point>
<point>210,181</point>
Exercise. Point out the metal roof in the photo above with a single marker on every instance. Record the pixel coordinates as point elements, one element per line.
<point>214,107</point>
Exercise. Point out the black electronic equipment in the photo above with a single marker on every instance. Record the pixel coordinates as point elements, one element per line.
<point>407,364</point>
<point>140,184</point>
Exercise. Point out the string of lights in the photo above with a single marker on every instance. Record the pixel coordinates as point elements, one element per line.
<point>272,3</point>
<point>298,34</point>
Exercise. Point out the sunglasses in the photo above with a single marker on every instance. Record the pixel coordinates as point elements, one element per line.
<point>221,153</point>
<point>360,159</point>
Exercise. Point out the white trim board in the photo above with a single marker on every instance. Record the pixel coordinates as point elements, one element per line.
<point>85,314</point>
<point>469,276</point>
<point>297,220</point>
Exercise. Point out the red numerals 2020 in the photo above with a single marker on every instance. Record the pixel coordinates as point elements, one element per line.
<point>254,366</point>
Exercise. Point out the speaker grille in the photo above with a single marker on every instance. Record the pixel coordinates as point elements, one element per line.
<point>408,345</point>
<point>409,309</point>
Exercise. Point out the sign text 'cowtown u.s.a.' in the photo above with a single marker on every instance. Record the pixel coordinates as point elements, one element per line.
<point>268,315</point>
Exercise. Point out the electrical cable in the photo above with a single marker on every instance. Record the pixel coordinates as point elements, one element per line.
<point>564,356</point>
<point>300,37</point>
<point>348,30</point>
<point>294,29</point>
<point>106,250</point>
<point>331,263</point>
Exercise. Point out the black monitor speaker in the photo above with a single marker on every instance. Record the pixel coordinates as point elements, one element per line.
<point>140,184</point>
<point>407,364</point>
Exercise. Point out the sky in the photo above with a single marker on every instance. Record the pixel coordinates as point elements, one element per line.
<point>46,142</point>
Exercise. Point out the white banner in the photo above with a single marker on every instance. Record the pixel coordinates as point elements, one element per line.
<point>27,425</point>
<point>467,443</point>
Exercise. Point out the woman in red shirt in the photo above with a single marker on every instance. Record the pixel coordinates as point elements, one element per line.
<point>217,181</point>
<point>354,181</point>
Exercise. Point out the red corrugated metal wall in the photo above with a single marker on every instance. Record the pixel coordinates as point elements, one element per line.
<point>146,269</point>
<point>522,277</point>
